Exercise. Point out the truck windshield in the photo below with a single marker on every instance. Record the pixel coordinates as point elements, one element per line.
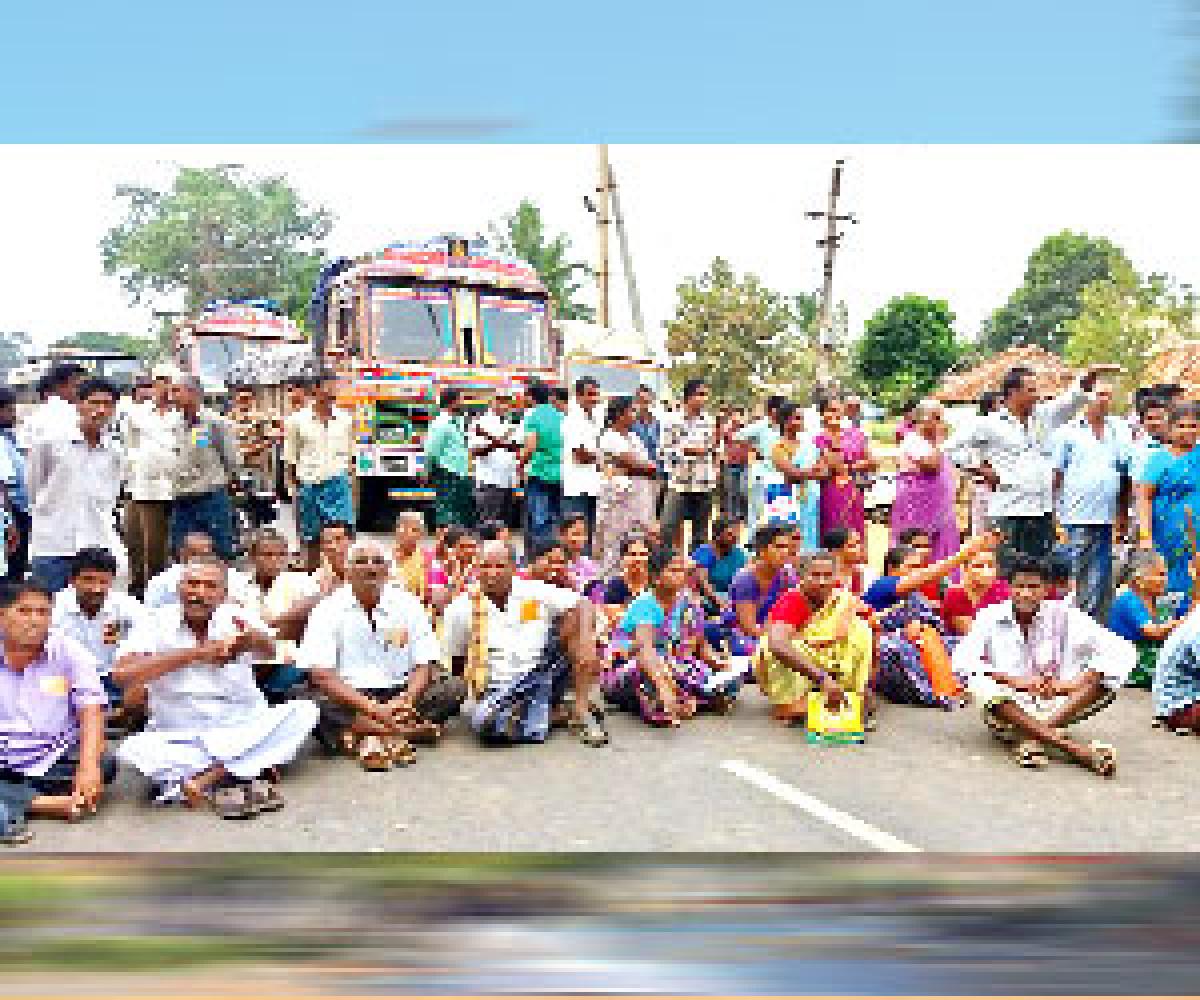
<point>411,324</point>
<point>513,331</point>
<point>216,355</point>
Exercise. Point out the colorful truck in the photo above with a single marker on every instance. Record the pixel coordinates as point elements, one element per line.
<point>401,325</point>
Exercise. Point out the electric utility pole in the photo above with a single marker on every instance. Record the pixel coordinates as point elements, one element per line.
<point>831,241</point>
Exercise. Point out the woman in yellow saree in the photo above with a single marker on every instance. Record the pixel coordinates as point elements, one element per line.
<point>815,641</point>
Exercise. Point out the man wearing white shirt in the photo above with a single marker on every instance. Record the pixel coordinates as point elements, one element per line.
<point>211,738</point>
<point>74,480</point>
<point>57,416</point>
<point>151,430</point>
<point>95,615</point>
<point>495,444</point>
<point>370,651</point>
<point>317,444</point>
<point>1038,666</point>
<point>581,475</point>
<point>523,642</point>
<point>1013,446</point>
<point>163,590</point>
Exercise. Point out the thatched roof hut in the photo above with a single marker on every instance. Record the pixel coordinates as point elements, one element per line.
<point>1053,375</point>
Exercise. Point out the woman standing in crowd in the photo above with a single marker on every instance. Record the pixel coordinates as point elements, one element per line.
<point>755,589</point>
<point>663,668</point>
<point>761,435</point>
<point>627,495</point>
<point>1169,496</point>
<point>794,497</point>
<point>925,484</point>
<point>848,464</point>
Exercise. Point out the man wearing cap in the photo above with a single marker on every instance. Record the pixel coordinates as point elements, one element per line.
<point>151,429</point>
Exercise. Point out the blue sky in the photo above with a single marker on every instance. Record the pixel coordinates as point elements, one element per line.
<point>619,71</point>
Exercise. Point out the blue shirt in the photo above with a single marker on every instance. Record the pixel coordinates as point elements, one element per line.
<point>1129,613</point>
<point>1091,470</point>
<point>12,467</point>
<point>649,434</point>
<point>721,570</point>
<point>882,594</point>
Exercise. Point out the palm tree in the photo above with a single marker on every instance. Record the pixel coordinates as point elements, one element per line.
<point>523,235</point>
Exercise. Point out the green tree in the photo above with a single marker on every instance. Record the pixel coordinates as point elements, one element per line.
<point>217,235</point>
<point>523,235</point>
<point>739,335</point>
<point>1055,276</point>
<point>140,347</point>
<point>1122,320</point>
<point>905,348</point>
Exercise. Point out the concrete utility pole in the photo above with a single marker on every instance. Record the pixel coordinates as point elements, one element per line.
<point>831,243</point>
<point>603,219</point>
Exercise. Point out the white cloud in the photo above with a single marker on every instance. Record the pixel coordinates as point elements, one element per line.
<point>955,222</point>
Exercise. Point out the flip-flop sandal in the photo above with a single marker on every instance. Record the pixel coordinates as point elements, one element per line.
<point>871,723</point>
<point>373,754</point>
<point>265,796</point>
<point>424,734</point>
<point>1030,754</point>
<point>589,731</point>
<point>14,828</point>
<point>1103,760</point>
<point>401,751</point>
<point>232,802</point>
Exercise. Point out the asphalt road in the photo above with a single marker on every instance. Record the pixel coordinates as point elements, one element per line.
<point>927,780</point>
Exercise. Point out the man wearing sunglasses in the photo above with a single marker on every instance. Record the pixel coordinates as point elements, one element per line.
<point>371,653</point>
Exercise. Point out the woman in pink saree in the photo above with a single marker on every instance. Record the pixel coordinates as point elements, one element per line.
<point>842,490</point>
<point>925,484</point>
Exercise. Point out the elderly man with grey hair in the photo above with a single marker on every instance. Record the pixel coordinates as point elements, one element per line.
<point>371,653</point>
<point>211,738</point>
<point>206,461</point>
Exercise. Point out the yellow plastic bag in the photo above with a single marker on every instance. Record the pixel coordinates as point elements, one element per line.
<point>843,726</point>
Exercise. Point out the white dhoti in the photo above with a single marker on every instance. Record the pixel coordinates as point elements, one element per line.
<point>270,737</point>
<point>989,693</point>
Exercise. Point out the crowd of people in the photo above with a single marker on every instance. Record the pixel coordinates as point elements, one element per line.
<point>586,556</point>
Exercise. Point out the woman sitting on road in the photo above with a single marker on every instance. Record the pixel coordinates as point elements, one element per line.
<point>581,568</point>
<point>663,668</point>
<point>853,573</point>
<point>755,589</point>
<point>815,640</point>
<point>980,588</point>
<point>1143,614</point>
<point>912,663</point>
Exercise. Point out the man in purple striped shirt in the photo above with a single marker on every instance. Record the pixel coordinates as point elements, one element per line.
<point>52,704</point>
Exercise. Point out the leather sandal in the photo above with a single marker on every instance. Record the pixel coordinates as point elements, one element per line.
<point>373,753</point>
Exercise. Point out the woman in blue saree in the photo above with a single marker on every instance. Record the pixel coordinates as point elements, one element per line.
<point>795,495</point>
<point>1169,497</point>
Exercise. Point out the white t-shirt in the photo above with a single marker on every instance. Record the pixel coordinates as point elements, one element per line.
<point>150,436</point>
<point>361,648</point>
<point>498,467</point>
<point>204,695</point>
<point>580,431</point>
<point>516,635</point>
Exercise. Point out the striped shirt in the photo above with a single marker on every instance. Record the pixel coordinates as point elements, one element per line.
<point>39,706</point>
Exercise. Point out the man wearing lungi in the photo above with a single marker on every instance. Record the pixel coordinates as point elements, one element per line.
<point>212,739</point>
<point>521,643</point>
<point>1038,666</point>
<point>316,450</point>
<point>448,465</point>
<point>370,651</point>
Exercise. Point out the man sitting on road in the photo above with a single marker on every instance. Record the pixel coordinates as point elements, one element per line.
<point>163,590</point>
<point>283,600</point>
<point>370,651</point>
<point>335,540</point>
<point>95,615</point>
<point>1038,666</point>
<point>52,759</point>
<point>212,738</point>
<point>520,642</point>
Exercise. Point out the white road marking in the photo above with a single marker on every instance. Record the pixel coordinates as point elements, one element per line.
<point>873,836</point>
